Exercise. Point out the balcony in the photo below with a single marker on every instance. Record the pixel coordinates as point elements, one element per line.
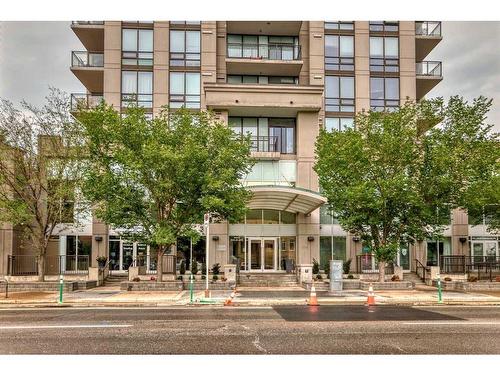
<point>427,36</point>
<point>429,74</point>
<point>90,33</point>
<point>88,67</point>
<point>263,100</point>
<point>263,59</point>
<point>84,101</point>
<point>264,27</point>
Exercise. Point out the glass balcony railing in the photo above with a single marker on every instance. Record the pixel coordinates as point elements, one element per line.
<point>87,23</point>
<point>428,28</point>
<point>264,51</point>
<point>87,59</point>
<point>429,69</point>
<point>85,101</point>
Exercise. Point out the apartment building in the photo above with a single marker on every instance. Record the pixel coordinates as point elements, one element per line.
<point>280,81</point>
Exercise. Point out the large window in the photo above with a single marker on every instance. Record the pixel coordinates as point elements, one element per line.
<point>384,54</point>
<point>331,248</point>
<point>267,134</point>
<point>339,123</point>
<point>185,48</point>
<point>266,172</point>
<point>384,93</point>
<point>262,80</point>
<point>339,52</point>
<point>326,216</point>
<point>137,88</point>
<point>270,217</point>
<point>184,89</point>
<point>339,25</point>
<point>263,46</point>
<point>384,26</point>
<point>339,94</point>
<point>137,47</point>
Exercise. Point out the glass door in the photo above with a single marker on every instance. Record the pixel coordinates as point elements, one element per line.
<point>127,255</point>
<point>270,253</point>
<point>255,254</point>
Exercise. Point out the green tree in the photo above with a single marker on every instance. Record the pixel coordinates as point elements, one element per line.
<point>388,179</point>
<point>154,179</point>
<point>38,170</point>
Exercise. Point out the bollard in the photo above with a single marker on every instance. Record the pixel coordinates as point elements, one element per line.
<point>61,285</point>
<point>191,288</point>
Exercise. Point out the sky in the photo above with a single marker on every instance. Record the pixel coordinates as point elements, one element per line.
<point>36,55</point>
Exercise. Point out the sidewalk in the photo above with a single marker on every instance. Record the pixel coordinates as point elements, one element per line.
<point>245,297</point>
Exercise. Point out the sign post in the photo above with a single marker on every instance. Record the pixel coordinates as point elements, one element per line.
<point>206,222</point>
<point>61,285</point>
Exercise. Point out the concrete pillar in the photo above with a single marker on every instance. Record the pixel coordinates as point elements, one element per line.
<point>407,78</point>
<point>208,55</point>
<point>112,63</point>
<point>362,64</point>
<point>161,48</point>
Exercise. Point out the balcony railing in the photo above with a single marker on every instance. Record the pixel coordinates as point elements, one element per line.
<point>27,265</point>
<point>428,28</point>
<point>429,69</point>
<point>366,263</point>
<point>264,144</point>
<point>259,51</point>
<point>87,23</point>
<point>85,101</point>
<point>87,59</point>
<point>484,266</point>
<point>148,264</point>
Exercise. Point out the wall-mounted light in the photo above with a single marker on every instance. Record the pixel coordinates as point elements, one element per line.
<point>356,239</point>
<point>310,238</point>
<point>463,239</point>
<point>215,238</point>
<point>98,238</point>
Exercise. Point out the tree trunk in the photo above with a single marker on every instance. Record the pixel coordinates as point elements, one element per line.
<point>159,265</point>
<point>381,271</point>
<point>41,267</point>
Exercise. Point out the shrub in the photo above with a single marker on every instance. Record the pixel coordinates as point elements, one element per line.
<point>152,278</point>
<point>315,268</point>
<point>179,277</point>
<point>136,279</point>
<point>216,268</point>
<point>350,276</point>
<point>447,278</point>
<point>347,266</point>
<point>395,278</point>
<point>327,270</point>
<point>203,277</point>
<point>223,279</point>
<point>203,269</point>
<point>215,277</point>
<point>319,277</point>
<point>182,267</point>
<point>472,279</point>
<point>194,267</point>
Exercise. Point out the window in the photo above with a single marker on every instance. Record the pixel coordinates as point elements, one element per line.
<point>326,216</point>
<point>339,25</point>
<point>265,172</point>
<point>384,93</point>
<point>263,47</point>
<point>384,54</point>
<point>331,248</point>
<point>339,94</point>
<point>339,52</point>
<point>262,80</point>
<point>185,23</point>
<point>267,134</point>
<point>384,26</point>
<point>339,123</point>
<point>185,48</point>
<point>137,47</point>
<point>270,217</point>
<point>184,90</point>
<point>137,89</point>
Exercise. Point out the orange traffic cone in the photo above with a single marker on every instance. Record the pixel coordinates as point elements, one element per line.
<point>229,301</point>
<point>371,296</point>
<point>313,300</point>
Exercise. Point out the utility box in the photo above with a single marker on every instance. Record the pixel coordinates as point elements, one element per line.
<point>336,270</point>
<point>304,273</point>
<point>230,272</point>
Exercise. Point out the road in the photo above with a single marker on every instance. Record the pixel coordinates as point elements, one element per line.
<point>237,330</point>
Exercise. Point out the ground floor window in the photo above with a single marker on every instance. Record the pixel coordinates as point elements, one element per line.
<point>442,246</point>
<point>485,247</point>
<point>331,248</point>
<point>189,251</point>
<point>77,250</point>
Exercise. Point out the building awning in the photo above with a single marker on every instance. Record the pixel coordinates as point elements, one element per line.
<point>285,198</point>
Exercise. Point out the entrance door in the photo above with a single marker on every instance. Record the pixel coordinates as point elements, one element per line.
<point>262,254</point>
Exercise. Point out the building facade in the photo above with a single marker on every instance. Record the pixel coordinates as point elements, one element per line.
<point>280,81</point>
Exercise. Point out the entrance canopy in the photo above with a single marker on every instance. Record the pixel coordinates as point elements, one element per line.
<point>283,198</point>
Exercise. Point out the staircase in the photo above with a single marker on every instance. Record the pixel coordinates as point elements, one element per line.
<point>115,280</point>
<point>413,277</point>
<point>268,280</point>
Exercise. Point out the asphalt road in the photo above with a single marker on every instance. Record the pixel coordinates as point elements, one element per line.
<point>234,330</point>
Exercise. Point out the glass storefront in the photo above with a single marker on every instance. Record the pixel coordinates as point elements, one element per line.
<point>331,248</point>
<point>444,247</point>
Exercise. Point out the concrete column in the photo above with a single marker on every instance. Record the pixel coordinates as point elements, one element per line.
<point>459,229</point>
<point>112,63</point>
<point>362,65</point>
<point>161,42</point>
<point>221,32</point>
<point>219,249</point>
<point>99,248</point>
<point>407,78</point>
<point>6,246</point>
<point>208,55</point>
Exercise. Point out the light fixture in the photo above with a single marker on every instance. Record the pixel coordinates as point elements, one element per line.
<point>463,239</point>
<point>310,238</point>
<point>98,238</point>
<point>215,238</point>
<point>355,239</point>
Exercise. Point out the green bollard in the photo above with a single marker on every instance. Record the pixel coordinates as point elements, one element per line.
<point>61,285</point>
<point>440,293</point>
<point>191,286</point>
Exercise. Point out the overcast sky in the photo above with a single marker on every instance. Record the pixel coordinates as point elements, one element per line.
<point>36,55</point>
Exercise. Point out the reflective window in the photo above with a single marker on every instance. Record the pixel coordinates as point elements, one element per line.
<point>185,89</point>
<point>137,47</point>
<point>185,48</point>
<point>339,94</point>
<point>262,80</point>
<point>331,248</point>
<point>339,123</point>
<point>384,54</point>
<point>266,172</point>
<point>339,52</point>
<point>384,93</point>
<point>137,88</point>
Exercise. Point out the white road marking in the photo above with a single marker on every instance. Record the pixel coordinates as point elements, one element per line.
<point>68,326</point>
<point>452,323</point>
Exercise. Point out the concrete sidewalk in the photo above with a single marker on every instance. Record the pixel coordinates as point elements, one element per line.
<point>245,297</point>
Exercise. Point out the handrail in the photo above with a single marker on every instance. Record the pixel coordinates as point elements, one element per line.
<point>429,68</point>
<point>87,23</point>
<point>85,101</point>
<point>264,51</point>
<point>428,28</point>
<point>418,266</point>
<point>87,59</point>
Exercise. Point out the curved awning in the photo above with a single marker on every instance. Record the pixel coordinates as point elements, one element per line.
<point>285,198</point>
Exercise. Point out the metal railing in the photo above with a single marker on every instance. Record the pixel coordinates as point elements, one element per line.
<point>87,22</point>
<point>366,263</point>
<point>429,69</point>
<point>264,144</point>
<point>259,51</point>
<point>484,265</point>
<point>428,28</point>
<point>87,59</point>
<point>148,264</point>
<point>421,270</point>
<point>27,265</point>
<point>85,101</point>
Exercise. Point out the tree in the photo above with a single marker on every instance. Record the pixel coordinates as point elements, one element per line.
<point>388,179</point>
<point>155,178</point>
<point>38,169</point>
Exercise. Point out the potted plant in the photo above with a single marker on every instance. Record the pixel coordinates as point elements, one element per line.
<point>347,266</point>
<point>101,261</point>
<point>327,270</point>
<point>216,268</point>
<point>194,268</point>
<point>315,268</point>
<point>182,267</point>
